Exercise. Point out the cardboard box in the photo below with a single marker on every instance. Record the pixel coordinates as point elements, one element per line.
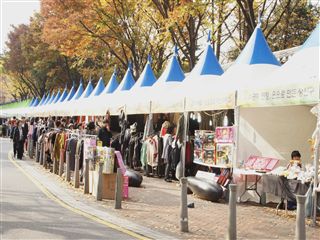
<point>108,186</point>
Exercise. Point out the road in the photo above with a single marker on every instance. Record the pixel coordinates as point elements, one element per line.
<point>27,213</point>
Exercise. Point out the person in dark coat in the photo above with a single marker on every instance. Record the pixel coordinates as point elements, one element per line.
<point>18,140</point>
<point>25,129</point>
<point>105,134</point>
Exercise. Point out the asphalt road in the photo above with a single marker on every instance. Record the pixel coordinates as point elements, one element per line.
<point>27,213</point>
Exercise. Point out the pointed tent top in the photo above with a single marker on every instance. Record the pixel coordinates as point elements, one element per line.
<point>127,81</point>
<point>57,97</point>
<point>32,101</point>
<point>175,50</point>
<point>313,39</point>
<point>99,88</point>
<point>42,99</point>
<point>112,84</point>
<point>86,93</point>
<point>209,37</point>
<point>79,92</point>
<point>257,51</point>
<point>53,96</point>
<point>208,63</point>
<point>70,95</point>
<point>47,99</point>
<point>35,103</point>
<point>64,95</point>
<point>173,71</point>
<point>149,59</point>
<point>147,77</point>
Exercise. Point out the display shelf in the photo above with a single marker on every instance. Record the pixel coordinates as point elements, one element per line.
<point>212,165</point>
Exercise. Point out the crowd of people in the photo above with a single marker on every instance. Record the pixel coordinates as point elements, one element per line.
<point>18,130</point>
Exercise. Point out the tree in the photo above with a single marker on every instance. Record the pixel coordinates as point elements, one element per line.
<point>33,67</point>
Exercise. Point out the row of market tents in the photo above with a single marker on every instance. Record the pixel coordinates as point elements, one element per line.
<point>272,102</point>
<point>255,80</point>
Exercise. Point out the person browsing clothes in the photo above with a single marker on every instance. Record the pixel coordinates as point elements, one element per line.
<point>105,134</point>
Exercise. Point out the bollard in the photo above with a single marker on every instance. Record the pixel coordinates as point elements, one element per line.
<point>300,218</point>
<point>99,184</point>
<point>37,152</point>
<point>86,177</point>
<point>119,190</point>
<point>41,154</point>
<point>184,205</point>
<point>61,162</point>
<point>31,148</point>
<point>67,166</point>
<point>76,171</point>
<point>232,228</point>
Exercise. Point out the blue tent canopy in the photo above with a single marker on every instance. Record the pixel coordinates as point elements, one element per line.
<point>208,63</point>
<point>99,88</point>
<point>112,84</point>
<point>58,95</point>
<point>147,77</point>
<point>79,92</point>
<point>173,71</point>
<point>42,99</point>
<point>47,99</point>
<point>313,39</point>
<point>257,50</point>
<point>35,103</point>
<point>70,95</point>
<point>127,81</point>
<point>86,93</point>
<point>32,101</point>
<point>63,96</point>
<point>53,96</point>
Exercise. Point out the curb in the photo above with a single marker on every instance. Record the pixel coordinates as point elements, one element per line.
<point>55,193</point>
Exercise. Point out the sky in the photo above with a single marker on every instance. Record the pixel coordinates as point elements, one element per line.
<point>15,12</point>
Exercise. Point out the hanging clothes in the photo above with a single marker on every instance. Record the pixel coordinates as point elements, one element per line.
<point>152,151</point>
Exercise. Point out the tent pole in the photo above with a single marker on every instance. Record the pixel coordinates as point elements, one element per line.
<point>316,167</point>
<point>237,132</point>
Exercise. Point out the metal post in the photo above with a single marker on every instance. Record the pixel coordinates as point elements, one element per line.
<point>67,166</point>
<point>184,205</point>
<point>316,167</point>
<point>99,185</point>
<point>31,148</point>
<point>37,152</point>
<point>119,190</point>
<point>41,154</point>
<point>61,162</point>
<point>300,218</point>
<point>86,177</point>
<point>76,172</point>
<point>232,227</point>
<point>237,132</point>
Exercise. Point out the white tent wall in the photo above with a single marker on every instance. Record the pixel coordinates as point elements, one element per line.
<point>276,132</point>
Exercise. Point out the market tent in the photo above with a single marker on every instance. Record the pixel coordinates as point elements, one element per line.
<point>47,99</point>
<point>35,103</point>
<point>63,96</point>
<point>279,121</point>
<point>57,97</point>
<point>99,88</point>
<point>113,100</point>
<point>112,84</point>
<point>170,79</point>
<point>69,107</point>
<point>203,88</point>
<point>295,83</point>
<point>32,101</point>
<point>135,100</point>
<point>77,106</point>
<point>100,102</point>
<point>53,108</point>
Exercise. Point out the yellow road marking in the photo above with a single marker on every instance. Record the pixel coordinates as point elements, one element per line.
<point>82,213</point>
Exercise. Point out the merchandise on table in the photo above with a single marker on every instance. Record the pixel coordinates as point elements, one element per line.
<point>224,153</point>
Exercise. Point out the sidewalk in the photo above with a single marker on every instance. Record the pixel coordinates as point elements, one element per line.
<point>153,211</point>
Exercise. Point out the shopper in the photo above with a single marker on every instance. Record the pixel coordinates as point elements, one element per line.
<point>25,129</point>
<point>18,140</point>
<point>105,134</point>
<point>12,131</point>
